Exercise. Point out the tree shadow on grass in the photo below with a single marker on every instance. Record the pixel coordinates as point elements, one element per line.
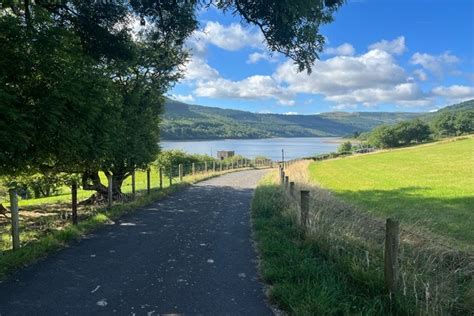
<point>444,216</point>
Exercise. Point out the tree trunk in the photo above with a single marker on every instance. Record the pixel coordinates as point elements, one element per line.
<point>91,181</point>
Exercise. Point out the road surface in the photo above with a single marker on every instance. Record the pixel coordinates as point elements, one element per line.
<point>190,253</point>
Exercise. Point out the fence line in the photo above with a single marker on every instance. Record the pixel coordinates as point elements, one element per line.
<point>153,180</point>
<point>425,274</point>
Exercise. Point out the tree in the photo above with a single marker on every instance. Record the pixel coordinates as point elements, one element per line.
<point>344,147</point>
<point>464,123</point>
<point>444,125</point>
<point>81,89</point>
<point>383,137</point>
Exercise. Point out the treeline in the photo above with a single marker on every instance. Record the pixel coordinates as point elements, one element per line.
<point>445,124</point>
<point>82,82</point>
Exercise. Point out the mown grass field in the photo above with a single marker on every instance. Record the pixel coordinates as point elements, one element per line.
<point>429,186</point>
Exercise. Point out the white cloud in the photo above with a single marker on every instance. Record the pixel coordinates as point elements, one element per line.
<point>291,113</point>
<point>454,93</point>
<point>345,49</point>
<point>435,64</point>
<point>198,69</point>
<point>254,87</point>
<point>395,47</point>
<point>368,79</point>
<point>183,98</point>
<point>420,74</point>
<point>257,56</point>
<point>232,37</point>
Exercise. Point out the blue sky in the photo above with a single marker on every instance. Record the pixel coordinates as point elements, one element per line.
<point>381,55</point>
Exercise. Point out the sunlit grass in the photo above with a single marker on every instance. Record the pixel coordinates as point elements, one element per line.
<point>429,186</point>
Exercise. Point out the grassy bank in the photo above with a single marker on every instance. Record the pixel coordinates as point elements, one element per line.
<point>429,186</point>
<point>302,279</point>
<point>39,245</point>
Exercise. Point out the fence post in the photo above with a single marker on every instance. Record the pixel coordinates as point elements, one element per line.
<point>109,191</point>
<point>180,170</point>
<point>304,208</point>
<point>74,202</point>
<point>392,242</point>
<point>213,166</point>
<point>148,181</point>
<point>161,177</point>
<point>292,188</point>
<point>220,166</point>
<point>171,175</point>
<point>282,177</point>
<point>287,180</point>
<point>15,219</point>
<point>134,187</point>
<point>194,169</point>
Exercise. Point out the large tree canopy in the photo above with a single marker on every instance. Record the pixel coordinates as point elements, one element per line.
<point>81,85</point>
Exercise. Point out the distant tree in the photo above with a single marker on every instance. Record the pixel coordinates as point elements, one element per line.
<point>464,123</point>
<point>383,137</point>
<point>345,147</point>
<point>445,125</point>
<point>419,131</point>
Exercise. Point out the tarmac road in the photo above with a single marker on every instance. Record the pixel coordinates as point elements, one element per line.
<point>190,253</point>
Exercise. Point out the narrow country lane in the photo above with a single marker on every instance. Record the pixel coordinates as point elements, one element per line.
<point>190,253</point>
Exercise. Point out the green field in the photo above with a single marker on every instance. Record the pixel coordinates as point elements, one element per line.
<point>429,186</point>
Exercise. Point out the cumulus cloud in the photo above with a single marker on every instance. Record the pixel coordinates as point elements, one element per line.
<point>198,69</point>
<point>395,47</point>
<point>258,56</point>
<point>368,79</point>
<point>455,92</point>
<point>420,74</point>
<point>183,98</point>
<point>231,37</point>
<point>435,64</point>
<point>345,49</point>
<point>253,87</point>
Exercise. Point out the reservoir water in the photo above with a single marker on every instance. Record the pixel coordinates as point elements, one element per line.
<point>269,147</point>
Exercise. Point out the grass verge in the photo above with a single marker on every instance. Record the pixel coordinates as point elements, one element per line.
<point>35,250</point>
<point>302,281</point>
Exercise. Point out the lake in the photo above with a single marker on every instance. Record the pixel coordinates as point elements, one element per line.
<point>269,147</point>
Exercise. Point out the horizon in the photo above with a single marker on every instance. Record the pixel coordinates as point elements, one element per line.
<point>309,114</point>
<point>400,67</point>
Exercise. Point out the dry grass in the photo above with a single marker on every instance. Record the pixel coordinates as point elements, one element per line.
<point>435,278</point>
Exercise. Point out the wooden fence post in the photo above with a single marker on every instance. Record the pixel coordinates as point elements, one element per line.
<point>194,169</point>
<point>134,185</point>
<point>15,219</point>
<point>148,181</point>
<point>205,166</point>
<point>180,170</point>
<point>161,177</point>
<point>287,179</point>
<point>213,166</point>
<point>171,175</point>
<point>392,242</point>
<point>220,166</point>
<point>109,191</point>
<point>74,202</point>
<point>292,188</point>
<point>304,208</point>
<point>282,177</point>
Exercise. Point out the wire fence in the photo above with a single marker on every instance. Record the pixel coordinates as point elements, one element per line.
<point>430,277</point>
<point>53,213</point>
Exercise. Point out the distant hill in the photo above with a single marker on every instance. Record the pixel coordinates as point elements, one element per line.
<point>455,108</point>
<point>183,121</point>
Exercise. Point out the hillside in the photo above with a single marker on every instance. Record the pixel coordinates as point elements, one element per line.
<point>185,121</point>
<point>399,183</point>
